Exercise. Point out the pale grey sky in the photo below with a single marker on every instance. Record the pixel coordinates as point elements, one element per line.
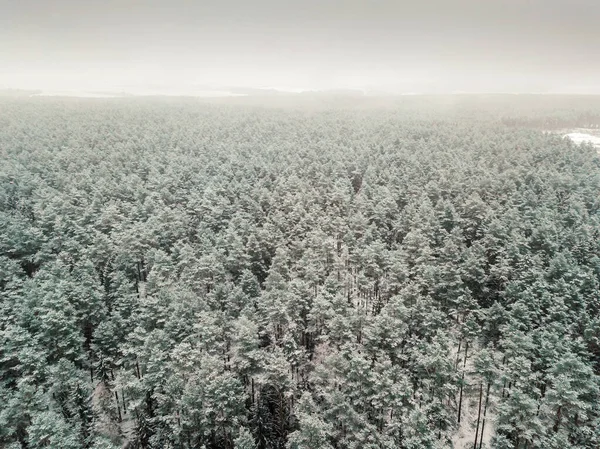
<point>444,45</point>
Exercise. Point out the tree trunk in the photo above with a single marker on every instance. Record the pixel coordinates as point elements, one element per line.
<point>558,418</point>
<point>118,406</point>
<point>485,407</point>
<point>462,381</point>
<point>478,415</point>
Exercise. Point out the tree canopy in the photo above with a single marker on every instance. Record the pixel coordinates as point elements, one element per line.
<point>183,274</point>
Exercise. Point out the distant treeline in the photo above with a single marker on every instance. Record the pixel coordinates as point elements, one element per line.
<point>564,120</point>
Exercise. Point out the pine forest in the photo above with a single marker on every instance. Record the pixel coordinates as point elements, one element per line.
<point>312,273</point>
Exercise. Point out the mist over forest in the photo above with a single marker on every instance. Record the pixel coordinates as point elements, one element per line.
<point>182,47</point>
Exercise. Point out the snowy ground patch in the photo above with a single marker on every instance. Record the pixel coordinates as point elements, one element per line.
<point>585,136</point>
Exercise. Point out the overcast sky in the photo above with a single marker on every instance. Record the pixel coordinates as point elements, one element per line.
<point>489,45</point>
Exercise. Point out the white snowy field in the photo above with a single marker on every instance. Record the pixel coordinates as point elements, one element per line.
<point>580,136</point>
<point>138,92</point>
<point>78,94</point>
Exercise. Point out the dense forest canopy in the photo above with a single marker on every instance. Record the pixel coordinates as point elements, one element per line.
<point>364,273</point>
